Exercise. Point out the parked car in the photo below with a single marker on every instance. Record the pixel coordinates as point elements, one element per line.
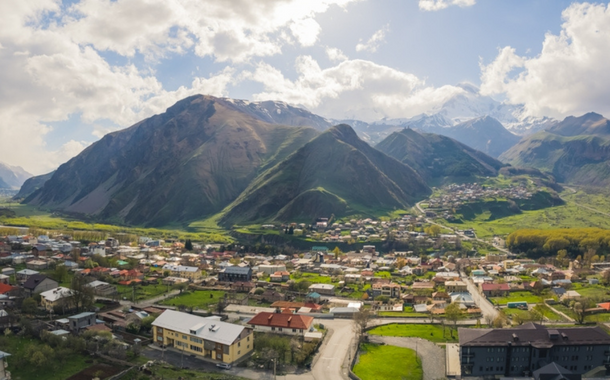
<point>223,365</point>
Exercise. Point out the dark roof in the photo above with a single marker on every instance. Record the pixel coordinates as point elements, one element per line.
<point>33,281</point>
<point>532,334</point>
<point>237,270</point>
<point>554,371</point>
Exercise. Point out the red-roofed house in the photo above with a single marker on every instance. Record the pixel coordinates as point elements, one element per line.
<point>495,290</point>
<point>282,323</point>
<point>5,288</point>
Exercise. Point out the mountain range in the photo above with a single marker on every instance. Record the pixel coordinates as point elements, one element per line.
<point>437,157</point>
<point>12,177</point>
<point>247,162</point>
<point>335,173</point>
<point>575,150</point>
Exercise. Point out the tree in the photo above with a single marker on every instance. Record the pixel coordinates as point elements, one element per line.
<point>489,319</point>
<point>82,295</point>
<point>579,310</point>
<point>433,230</point>
<point>453,313</point>
<point>29,306</point>
<point>221,306</point>
<point>361,321</point>
<point>337,252</point>
<point>188,245</point>
<point>60,273</point>
<point>180,286</point>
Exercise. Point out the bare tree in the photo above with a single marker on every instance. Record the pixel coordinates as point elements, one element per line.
<point>361,321</point>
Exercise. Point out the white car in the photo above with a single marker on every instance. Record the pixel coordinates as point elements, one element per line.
<point>223,365</point>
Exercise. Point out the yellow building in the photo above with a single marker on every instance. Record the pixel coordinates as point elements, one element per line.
<point>192,273</point>
<point>204,337</point>
<point>55,298</point>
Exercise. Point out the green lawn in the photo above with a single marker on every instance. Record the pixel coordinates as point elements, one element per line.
<point>53,371</point>
<point>315,278</point>
<point>516,297</point>
<point>433,333</point>
<point>200,299</point>
<point>596,292</point>
<point>550,314</point>
<point>566,310</point>
<point>143,292</point>
<point>388,363</point>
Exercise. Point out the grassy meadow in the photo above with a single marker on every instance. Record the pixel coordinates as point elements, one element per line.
<point>388,362</point>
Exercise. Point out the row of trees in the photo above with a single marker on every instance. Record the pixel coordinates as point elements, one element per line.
<point>575,241</point>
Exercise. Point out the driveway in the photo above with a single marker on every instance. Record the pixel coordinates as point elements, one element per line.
<point>432,356</point>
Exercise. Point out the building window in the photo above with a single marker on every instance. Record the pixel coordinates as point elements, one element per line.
<point>281,329</point>
<point>238,344</point>
<point>294,330</point>
<point>273,329</point>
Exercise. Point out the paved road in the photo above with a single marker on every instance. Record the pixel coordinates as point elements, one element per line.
<point>432,356</point>
<point>486,307</point>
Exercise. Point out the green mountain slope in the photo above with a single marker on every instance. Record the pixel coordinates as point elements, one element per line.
<point>185,164</point>
<point>335,173</point>
<point>582,160</point>
<point>438,157</point>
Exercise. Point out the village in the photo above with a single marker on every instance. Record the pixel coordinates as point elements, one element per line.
<point>455,195</point>
<point>222,304</point>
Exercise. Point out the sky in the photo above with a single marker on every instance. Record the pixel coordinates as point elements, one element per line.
<point>72,71</point>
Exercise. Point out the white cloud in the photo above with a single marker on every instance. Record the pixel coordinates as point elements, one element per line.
<point>353,89</point>
<point>227,30</point>
<point>47,77</point>
<point>570,76</point>
<point>335,54</point>
<point>437,5</point>
<point>373,43</point>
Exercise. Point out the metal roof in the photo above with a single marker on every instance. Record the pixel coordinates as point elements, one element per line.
<point>208,329</point>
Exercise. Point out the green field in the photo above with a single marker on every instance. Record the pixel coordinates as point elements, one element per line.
<point>33,218</point>
<point>388,363</point>
<point>142,292</point>
<point>573,214</point>
<point>17,346</point>
<point>433,333</point>
<point>516,297</point>
<point>199,299</point>
<point>595,292</point>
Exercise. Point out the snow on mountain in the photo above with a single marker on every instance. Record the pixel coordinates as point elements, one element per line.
<point>470,104</point>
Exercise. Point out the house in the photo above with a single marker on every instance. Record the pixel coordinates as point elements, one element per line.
<point>391,290</point>
<point>243,286</point>
<point>440,296</point>
<point>55,298</point>
<point>570,295</point>
<point>494,290</point>
<point>81,321</point>
<point>39,283</point>
<point>423,286</point>
<point>271,269</point>
<point>518,352</point>
<point>235,273</point>
<point>102,288</point>
<point>455,286</point>
<point>271,296</point>
<point>282,323</point>
<point>322,289</point>
<point>23,275</point>
<point>279,277</point>
<point>463,300</point>
<point>313,307</point>
<point>4,374</point>
<point>188,272</point>
<point>6,289</point>
<point>4,279</point>
<point>37,264</point>
<point>204,337</point>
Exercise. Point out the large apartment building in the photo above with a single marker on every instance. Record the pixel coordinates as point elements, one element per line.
<point>520,351</point>
<point>205,337</point>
